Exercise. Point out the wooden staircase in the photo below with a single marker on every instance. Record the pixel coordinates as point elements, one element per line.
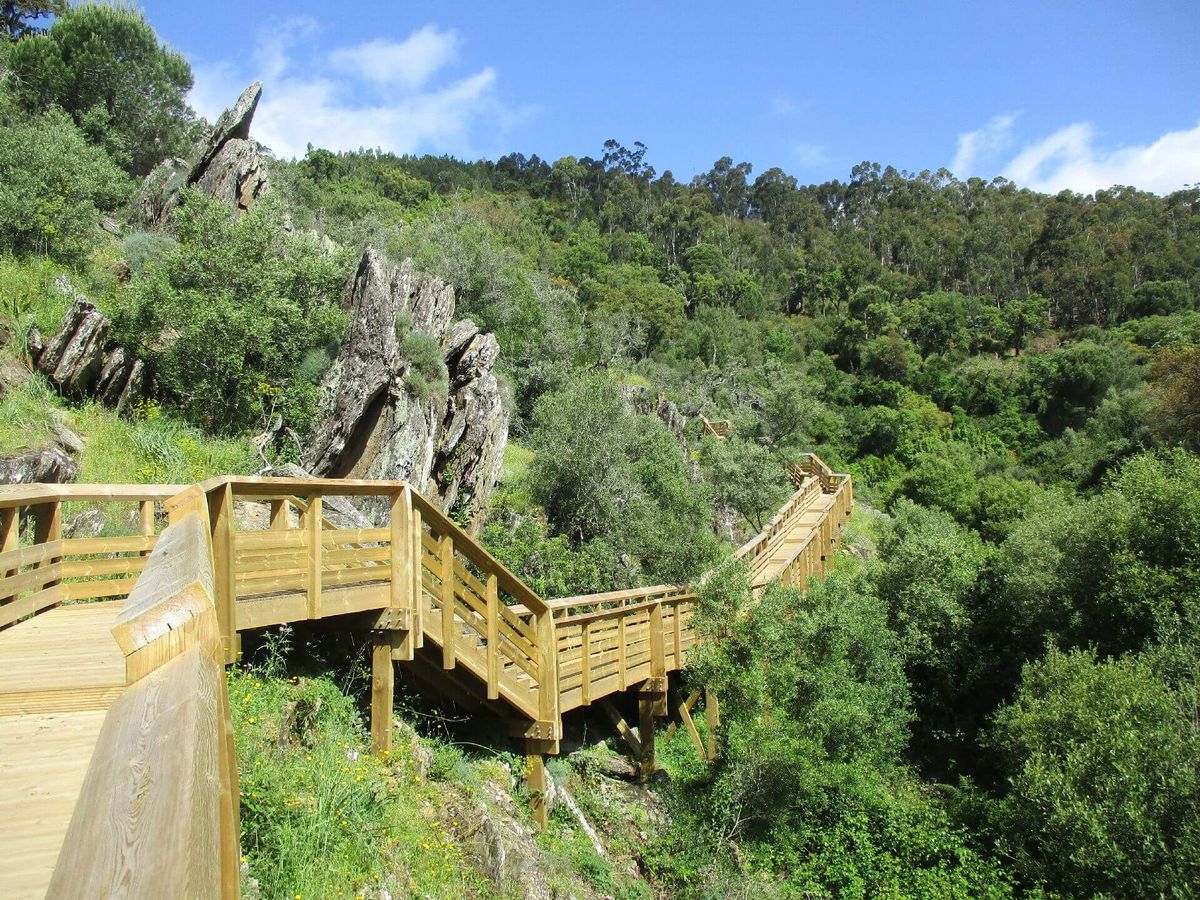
<point>97,634</point>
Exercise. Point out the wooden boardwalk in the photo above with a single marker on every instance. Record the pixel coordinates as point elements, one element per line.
<point>116,751</point>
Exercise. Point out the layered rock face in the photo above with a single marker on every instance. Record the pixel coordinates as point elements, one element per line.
<point>374,424</point>
<point>226,165</point>
<point>81,361</point>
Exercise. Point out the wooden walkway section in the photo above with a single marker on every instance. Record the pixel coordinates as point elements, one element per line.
<point>118,775</point>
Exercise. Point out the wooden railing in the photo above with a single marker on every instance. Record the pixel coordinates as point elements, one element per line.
<point>157,815</point>
<point>50,569</point>
<point>719,428</point>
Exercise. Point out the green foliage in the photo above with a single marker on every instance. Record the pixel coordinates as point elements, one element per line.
<point>230,312</point>
<point>53,185</point>
<point>746,478</point>
<point>428,376</point>
<point>144,248</point>
<point>321,815</point>
<point>104,66</point>
<point>815,716</point>
<point>600,469</point>
<point>19,18</point>
<point>549,564</point>
<point>1105,789</point>
<point>1160,298</point>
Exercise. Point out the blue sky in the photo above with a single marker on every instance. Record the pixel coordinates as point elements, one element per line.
<point>1051,94</point>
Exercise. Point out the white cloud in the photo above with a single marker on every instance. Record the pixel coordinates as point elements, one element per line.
<point>1070,159</point>
<point>409,62</point>
<point>381,93</point>
<point>983,145</point>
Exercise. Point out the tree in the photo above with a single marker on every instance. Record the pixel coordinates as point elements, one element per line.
<point>1175,384</point>
<point>18,18</point>
<point>1104,788</point>
<point>1159,298</point>
<point>53,185</point>
<point>105,66</point>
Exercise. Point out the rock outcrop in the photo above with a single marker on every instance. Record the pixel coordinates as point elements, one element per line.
<point>47,465</point>
<point>379,419</point>
<point>81,361</point>
<point>226,164</point>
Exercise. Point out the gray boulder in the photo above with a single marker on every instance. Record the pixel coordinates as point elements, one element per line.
<point>45,465</point>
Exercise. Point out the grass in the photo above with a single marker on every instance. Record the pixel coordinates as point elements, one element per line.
<point>321,815</point>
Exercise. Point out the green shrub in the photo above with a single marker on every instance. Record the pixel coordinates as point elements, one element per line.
<point>230,313</point>
<point>141,248</point>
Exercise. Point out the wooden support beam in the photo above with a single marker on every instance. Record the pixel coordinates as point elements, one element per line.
<point>280,520</point>
<point>685,716</point>
<point>623,729</point>
<point>688,704</point>
<point>647,703</point>
<point>586,662</point>
<point>622,677</point>
<point>658,661</point>
<point>535,776</point>
<point>383,681</point>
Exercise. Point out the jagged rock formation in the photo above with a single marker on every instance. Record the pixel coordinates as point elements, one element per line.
<point>81,361</point>
<point>376,421</point>
<point>225,164</point>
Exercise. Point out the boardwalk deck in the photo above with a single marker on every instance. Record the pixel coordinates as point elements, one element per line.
<point>53,699</point>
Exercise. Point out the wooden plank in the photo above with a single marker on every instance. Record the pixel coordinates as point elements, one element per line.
<point>621,653</point>
<point>92,568</point>
<point>646,760</point>
<point>688,703</point>
<point>685,716</point>
<point>586,659</point>
<point>18,609</point>
<point>83,546</point>
<point>10,527</point>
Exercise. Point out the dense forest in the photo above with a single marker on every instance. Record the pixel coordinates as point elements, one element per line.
<point>997,693</point>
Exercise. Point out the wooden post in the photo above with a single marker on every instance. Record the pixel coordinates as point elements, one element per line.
<point>401,600</point>
<point>231,815</point>
<point>535,776</point>
<point>446,574</point>
<point>547,640</point>
<point>646,707</point>
<point>47,527</point>
<point>312,523</point>
<point>383,674</point>
<point>586,662</point>
<point>280,515</point>
<point>146,515</point>
<point>493,638</point>
<point>10,522</point>
<point>418,552</point>
<point>220,517</point>
<point>658,662</point>
<point>712,718</point>
<point>622,681</point>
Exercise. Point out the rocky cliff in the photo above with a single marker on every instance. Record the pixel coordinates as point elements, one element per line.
<point>380,418</point>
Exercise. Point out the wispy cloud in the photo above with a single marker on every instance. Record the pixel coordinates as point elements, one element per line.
<point>1072,159</point>
<point>408,63</point>
<point>809,154</point>
<point>395,95</point>
<point>983,145</point>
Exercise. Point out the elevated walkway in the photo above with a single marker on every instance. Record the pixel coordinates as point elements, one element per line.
<point>117,770</point>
